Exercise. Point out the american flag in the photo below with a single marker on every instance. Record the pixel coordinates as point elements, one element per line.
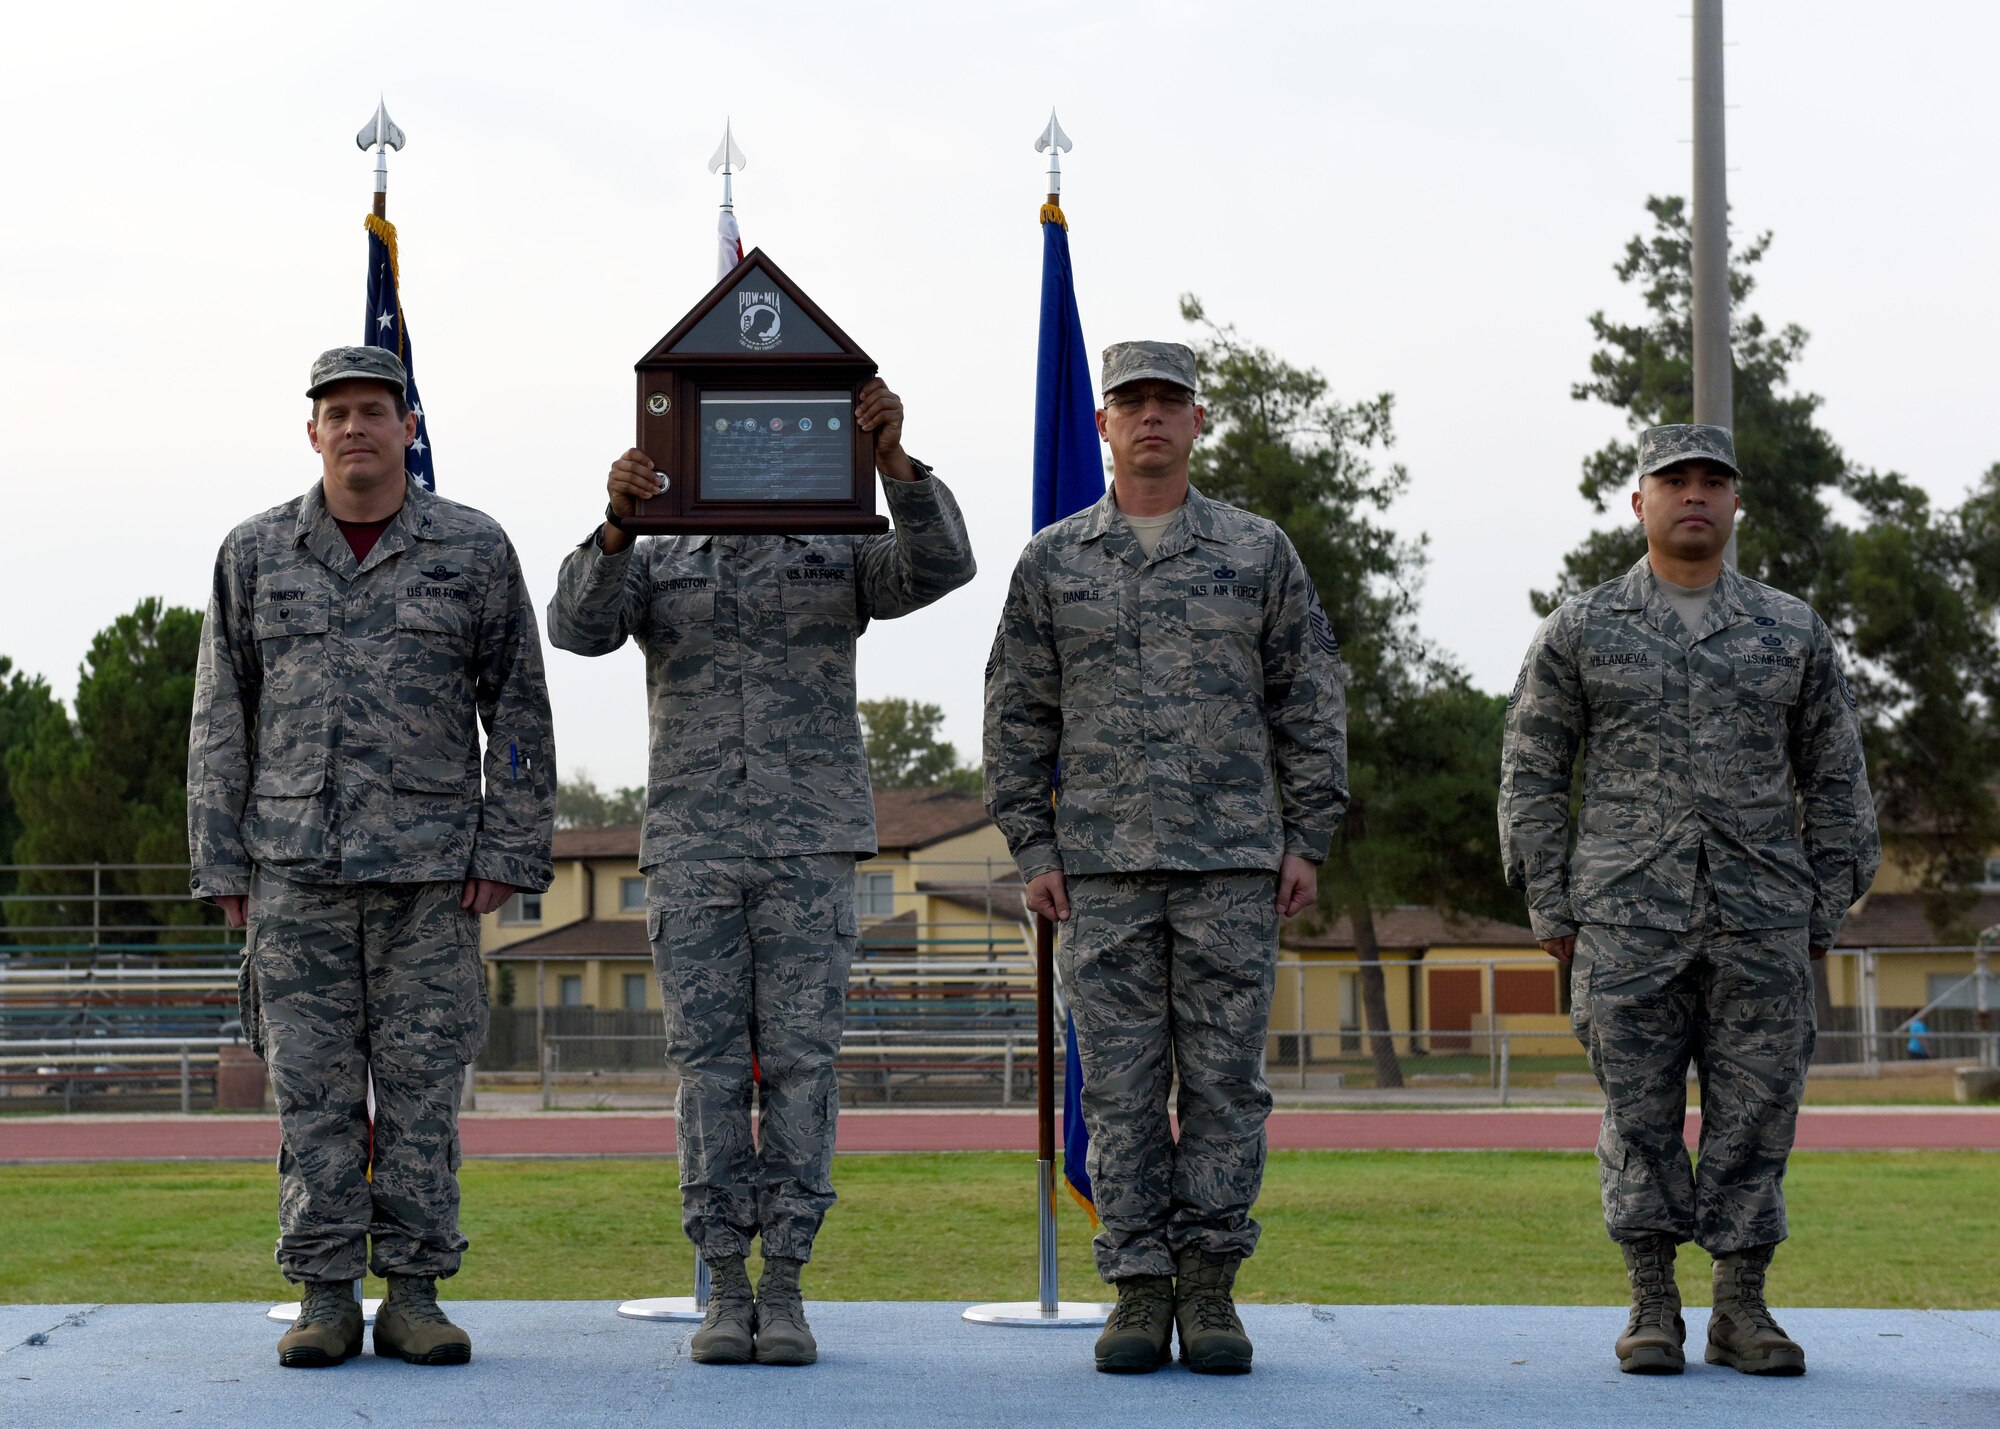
<point>385,328</point>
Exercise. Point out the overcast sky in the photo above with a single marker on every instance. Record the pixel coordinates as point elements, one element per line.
<point>1424,198</point>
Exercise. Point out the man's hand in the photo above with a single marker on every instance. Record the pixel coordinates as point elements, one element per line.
<point>235,908</point>
<point>633,479</point>
<point>1048,896</point>
<point>1298,885</point>
<point>1561,949</point>
<point>880,411</point>
<point>483,895</point>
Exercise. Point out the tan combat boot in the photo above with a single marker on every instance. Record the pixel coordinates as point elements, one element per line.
<point>1741,1332</point>
<point>1212,1336</point>
<point>783,1336</point>
<point>1139,1336</point>
<point>411,1326</point>
<point>730,1318</point>
<point>328,1329</point>
<point>1655,1333</point>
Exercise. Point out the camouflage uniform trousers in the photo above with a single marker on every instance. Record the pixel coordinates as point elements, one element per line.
<point>1166,973</point>
<point>354,979</point>
<point>1739,1006</point>
<point>752,955</point>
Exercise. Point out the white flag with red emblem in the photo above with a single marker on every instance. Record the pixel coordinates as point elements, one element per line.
<point>728,161</point>
<point>730,244</point>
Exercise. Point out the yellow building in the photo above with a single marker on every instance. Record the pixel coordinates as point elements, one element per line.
<point>944,888</point>
<point>1450,977</point>
<point>1889,954</point>
<point>1889,940</point>
<point>941,886</point>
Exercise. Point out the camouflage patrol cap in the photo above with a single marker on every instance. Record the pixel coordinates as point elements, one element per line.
<point>1661,447</point>
<point>1143,361</point>
<point>357,364</point>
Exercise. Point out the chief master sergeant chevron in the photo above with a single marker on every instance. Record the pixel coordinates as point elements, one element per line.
<point>355,637</point>
<point>757,807</point>
<point>1726,827</point>
<point>1171,652</point>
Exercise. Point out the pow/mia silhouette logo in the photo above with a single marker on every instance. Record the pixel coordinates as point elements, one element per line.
<point>759,324</point>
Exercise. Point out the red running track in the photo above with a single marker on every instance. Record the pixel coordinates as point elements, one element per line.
<point>598,1134</point>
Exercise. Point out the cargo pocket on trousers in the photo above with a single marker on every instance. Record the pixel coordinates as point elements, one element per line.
<point>1579,992</point>
<point>249,1007</point>
<point>469,980</point>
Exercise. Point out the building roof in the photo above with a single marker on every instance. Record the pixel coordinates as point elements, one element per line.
<point>1896,920</point>
<point>904,819</point>
<point>619,841</point>
<point>916,818</point>
<point>585,938</point>
<point>1003,896</point>
<point>1414,929</point>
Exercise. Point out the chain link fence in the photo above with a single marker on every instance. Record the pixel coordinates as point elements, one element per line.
<point>116,992</point>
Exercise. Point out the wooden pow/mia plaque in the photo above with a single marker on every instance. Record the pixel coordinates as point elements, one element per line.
<point>748,407</point>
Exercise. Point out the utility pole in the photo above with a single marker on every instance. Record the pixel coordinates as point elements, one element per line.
<point>1712,398</point>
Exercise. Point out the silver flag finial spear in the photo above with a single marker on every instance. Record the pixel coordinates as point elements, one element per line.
<point>1056,143</point>
<point>728,160</point>
<point>380,134</point>
<point>379,131</point>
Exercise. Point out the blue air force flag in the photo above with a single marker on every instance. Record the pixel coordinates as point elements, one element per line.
<point>1069,477</point>
<point>385,328</point>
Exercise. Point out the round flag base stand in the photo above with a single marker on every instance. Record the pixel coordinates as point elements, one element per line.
<point>290,1312</point>
<point>1047,1312</point>
<point>662,1307</point>
<point>1068,1314</point>
<point>673,1307</point>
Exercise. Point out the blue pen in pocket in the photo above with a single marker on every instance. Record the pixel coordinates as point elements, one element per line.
<point>514,759</point>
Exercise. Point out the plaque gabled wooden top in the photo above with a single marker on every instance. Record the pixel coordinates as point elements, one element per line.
<point>752,339</point>
<point>700,337</point>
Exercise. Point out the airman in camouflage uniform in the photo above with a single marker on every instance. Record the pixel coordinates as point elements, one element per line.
<point>757,808</point>
<point>1168,654</point>
<point>335,799</point>
<point>1726,826</point>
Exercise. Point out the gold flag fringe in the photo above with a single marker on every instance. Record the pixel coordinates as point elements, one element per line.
<point>1052,213</point>
<point>386,231</point>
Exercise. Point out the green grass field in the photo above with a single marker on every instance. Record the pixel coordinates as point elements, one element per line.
<point>1906,1230</point>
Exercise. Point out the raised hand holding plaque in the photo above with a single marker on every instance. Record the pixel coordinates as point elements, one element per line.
<point>748,406</point>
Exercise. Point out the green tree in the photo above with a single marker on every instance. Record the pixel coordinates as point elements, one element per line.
<point>580,804</point>
<point>1423,746</point>
<point>25,701</point>
<point>1911,591</point>
<point>110,785</point>
<point>904,751</point>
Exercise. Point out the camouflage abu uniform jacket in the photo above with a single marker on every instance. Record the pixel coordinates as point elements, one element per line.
<point>1742,742</point>
<point>335,705</point>
<point>1170,689</point>
<point>749,644</point>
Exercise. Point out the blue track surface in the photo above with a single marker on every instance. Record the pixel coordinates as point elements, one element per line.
<point>544,1364</point>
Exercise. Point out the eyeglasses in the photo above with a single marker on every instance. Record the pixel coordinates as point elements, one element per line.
<point>1172,400</point>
